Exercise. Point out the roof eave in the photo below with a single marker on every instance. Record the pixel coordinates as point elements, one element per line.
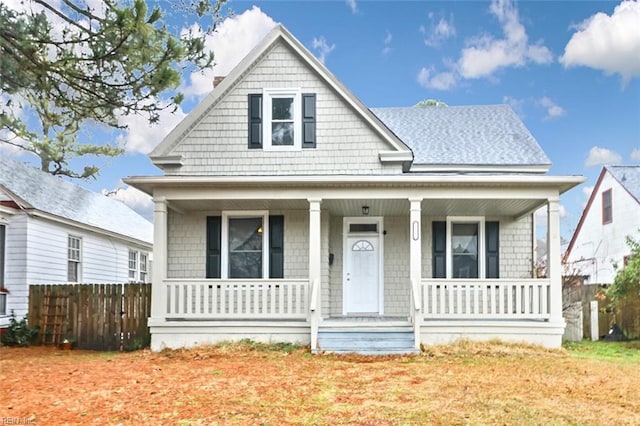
<point>481,168</point>
<point>89,227</point>
<point>147,184</point>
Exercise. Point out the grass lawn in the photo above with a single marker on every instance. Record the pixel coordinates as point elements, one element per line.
<point>465,383</point>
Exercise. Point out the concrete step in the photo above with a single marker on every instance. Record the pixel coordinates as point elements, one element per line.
<point>366,341</point>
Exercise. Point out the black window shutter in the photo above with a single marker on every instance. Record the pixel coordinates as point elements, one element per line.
<point>276,246</point>
<point>439,230</point>
<point>255,121</point>
<point>492,230</point>
<point>308,120</point>
<point>214,243</point>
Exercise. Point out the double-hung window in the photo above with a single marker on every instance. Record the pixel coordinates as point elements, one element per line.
<point>133,265</point>
<point>282,120</point>
<point>607,207</point>
<point>465,247</point>
<point>245,244</point>
<point>138,266</point>
<point>74,258</point>
<point>144,268</point>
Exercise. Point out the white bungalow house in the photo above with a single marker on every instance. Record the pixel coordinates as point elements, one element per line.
<point>611,215</point>
<point>52,231</point>
<point>289,211</point>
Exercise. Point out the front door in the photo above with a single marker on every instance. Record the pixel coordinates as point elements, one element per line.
<point>362,274</point>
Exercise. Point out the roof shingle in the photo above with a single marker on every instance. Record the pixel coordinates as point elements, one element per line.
<point>485,135</point>
<point>55,196</point>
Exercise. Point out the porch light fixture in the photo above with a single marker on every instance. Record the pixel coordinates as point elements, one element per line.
<point>365,210</point>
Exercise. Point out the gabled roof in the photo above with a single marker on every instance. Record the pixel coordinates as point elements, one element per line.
<point>485,135</point>
<point>161,155</point>
<point>32,189</point>
<point>627,176</point>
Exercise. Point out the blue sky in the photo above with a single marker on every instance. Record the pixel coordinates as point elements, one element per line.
<point>571,70</point>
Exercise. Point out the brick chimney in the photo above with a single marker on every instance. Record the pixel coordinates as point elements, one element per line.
<point>217,80</point>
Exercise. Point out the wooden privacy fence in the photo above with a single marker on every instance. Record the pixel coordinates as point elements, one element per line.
<point>92,316</point>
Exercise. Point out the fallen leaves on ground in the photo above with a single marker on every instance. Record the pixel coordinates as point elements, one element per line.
<point>242,384</point>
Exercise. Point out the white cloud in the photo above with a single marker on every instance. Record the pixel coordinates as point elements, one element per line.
<point>322,48</point>
<point>233,40</point>
<point>353,5</point>
<point>434,80</point>
<point>141,136</point>
<point>137,200</point>
<point>587,190</point>
<point>553,110</point>
<point>608,43</point>
<point>438,31</point>
<point>635,154</point>
<point>602,156</point>
<point>484,55</point>
<point>387,43</point>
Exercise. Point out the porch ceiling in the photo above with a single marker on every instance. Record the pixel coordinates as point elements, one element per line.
<point>435,207</point>
<point>377,207</point>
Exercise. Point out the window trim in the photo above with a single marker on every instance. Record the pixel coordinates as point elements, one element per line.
<point>135,276</point>
<point>606,220</point>
<point>480,221</point>
<point>224,239</point>
<point>146,267</point>
<point>137,272</point>
<point>267,96</point>
<point>77,261</point>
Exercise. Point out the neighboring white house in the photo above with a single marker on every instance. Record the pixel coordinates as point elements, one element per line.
<point>52,231</point>
<point>289,211</point>
<point>612,214</point>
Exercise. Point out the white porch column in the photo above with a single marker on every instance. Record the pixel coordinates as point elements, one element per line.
<point>315,266</point>
<point>415,264</point>
<point>554,263</point>
<point>159,273</point>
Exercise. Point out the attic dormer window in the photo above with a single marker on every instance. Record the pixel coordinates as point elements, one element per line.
<point>282,120</point>
<point>282,117</point>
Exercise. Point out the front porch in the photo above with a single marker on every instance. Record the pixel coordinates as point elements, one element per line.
<point>333,260</point>
<point>212,311</point>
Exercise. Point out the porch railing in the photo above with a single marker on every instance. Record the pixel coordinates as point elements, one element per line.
<point>486,299</point>
<point>236,299</point>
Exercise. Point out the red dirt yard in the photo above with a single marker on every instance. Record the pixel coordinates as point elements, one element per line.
<point>248,384</point>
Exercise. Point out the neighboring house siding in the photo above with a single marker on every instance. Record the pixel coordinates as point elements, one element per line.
<point>104,259</point>
<point>598,247</point>
<point>47,252</point>
<point>36,253</point>
<point>218,144</point>
<point>16,265</point>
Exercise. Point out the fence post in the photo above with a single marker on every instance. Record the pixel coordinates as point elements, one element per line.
<point>595,326</point>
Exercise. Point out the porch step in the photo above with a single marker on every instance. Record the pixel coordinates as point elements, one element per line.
<point>366,340</point>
